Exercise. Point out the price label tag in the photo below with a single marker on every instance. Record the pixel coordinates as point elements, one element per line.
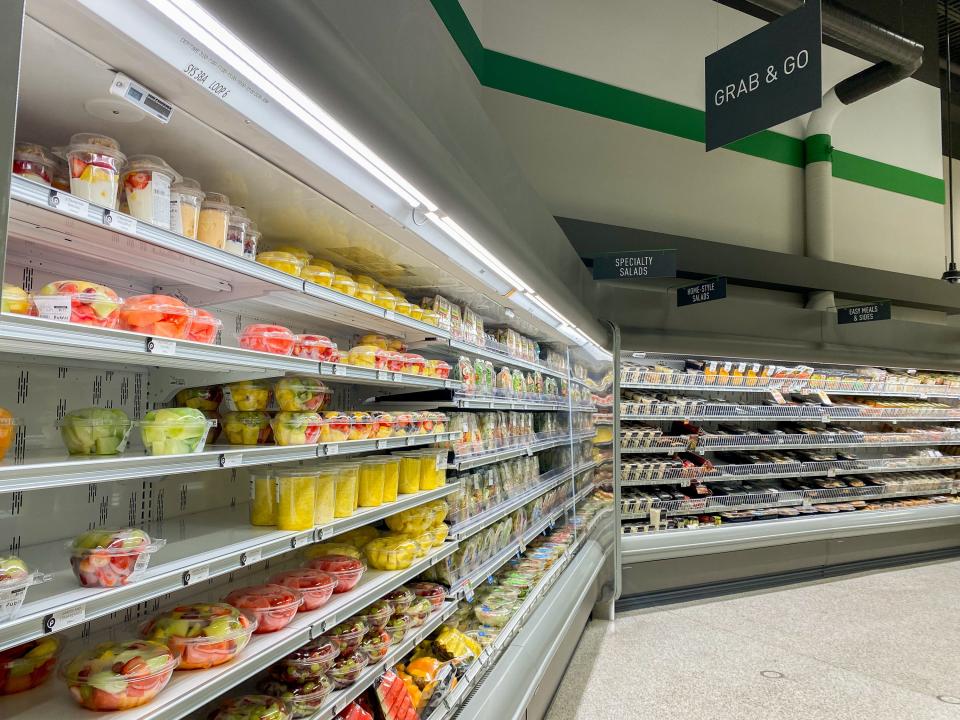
<point>468,592</point>
<point>831,472</point>
<point>121,222</point>
<point>53,307</point>
<point>383,375</point>
<point>230,461</point>
<point>69,204</point>
<point>777,396</point>
<point>826,418</point>
<point>381,444</point>
<point>411,440</point>
<point>824,398</point>
<point>65,618</point>
<point>340,370</point>
<point>197,574</point>
<point>252,556</point>
<point>389,314</point>
<point>161,346</point>
<point>331,449</point>
<point>398,377</point>
<point>529,451</point>
<point>490,580</point>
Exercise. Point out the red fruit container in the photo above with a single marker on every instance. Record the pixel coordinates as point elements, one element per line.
<point>413,363</point>
<point>345,569</point>
<point>274,339</point>
<point>316,347</point>
<point>393,361</point>
<point>25,666</point>
<point>316,586</point>
<point>273,605</point>
<point>441,369</point>
<point>347,635</point>
<point>108,558</point>
<point>375,645</point>
<point>204,327</point>
<point>432,591</point>
<point>78,301</point>
<point>157,315</point>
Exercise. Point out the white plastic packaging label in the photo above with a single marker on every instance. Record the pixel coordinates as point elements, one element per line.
<point>70,204</point>
<point>441,461</point>
<point>53,307</point>
<point>119,221</point>
<point>161,199</point>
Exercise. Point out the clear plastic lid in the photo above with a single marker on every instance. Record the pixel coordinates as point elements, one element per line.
<point>14,574</point>
<point>250,418</point>
<point>120,541</point>
<point>165,304</point>
<point>338,565</point>
<point>176,418</point>
<point>83,291</point>
<point>200,623</point>
<point>274,332</point>
<point>261,598</point>
<point>252,707</point>
<point>320,650</point>
<point>400,599</point>
<point>216,201</point>
<point>304,579</point>
<point>298,252</point>
<point>94,143</point>
<point>151,164</point>
<point>278,256</point>
<point>188,186</point>
<point>95,417</point>
<point>239,217</point>
<point>302,696</point>
<point>317,274</point>
<point>105,666</point>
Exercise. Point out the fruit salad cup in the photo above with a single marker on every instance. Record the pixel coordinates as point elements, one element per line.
<point>146,184</point>
<point>296,498</point>
<point>375,616</point>
<point>263,496</point>
<point>325,507</point>
<point>108,558</point>
<point>157,315</point>
<point>413,522</point>
<point>384,425</point>
<point>409,479</point>
<point>434,592</point>
<point>119,675</point>
<point>361,426</point>
<point>370,493</point>
<point>301,394</point>
<point>24,667</point>
<point>391,477</point>
<point>375,645</point>
<point>252,707</point>
<point>15,579</point>
<point>347,668</point>
<point>251,242</point>
<point>250,427</point>
<point>336,427</point>
<point>303,256</point>
<point>438,369</point>
<point>405,424</point>
<point>397,626</point>
<point>237,226</point>
<point>78,301</point>
<point>390,552</point>
<point>304,699</point>
<point>418,612</point>
<point>95,431</point>
<point>385,299</point>
<point>347,635</point>
<point>202,398</point>
<point>204,635</point>
<point>274,606</point>
<point>282,261</point>
<point>346,570</point>
<point>186,197</point>
<point>16,300</point>
<point>213,220</point>
<point>33,162</point>
<point>343,283</point>
<point>308,663</point>
<point>297,428</point>
<point>274,339</point>
<point>316,586</point>
<point>318,274</point>
<point>316,347</point>
<point>247,395</point>
<point>204,327</point>
<point>414,364</point>
<point>95,162</point>
<point>174,431</point>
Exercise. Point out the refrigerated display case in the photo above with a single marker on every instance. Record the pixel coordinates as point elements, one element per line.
<point>190,413</point>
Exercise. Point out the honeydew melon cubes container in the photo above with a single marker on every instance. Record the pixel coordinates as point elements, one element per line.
<point>174,431</point>
<point>95,431</point>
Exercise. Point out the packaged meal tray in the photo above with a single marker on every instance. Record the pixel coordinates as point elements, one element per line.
<point>108,558</point>
<point>119,675</point>
<point>204,635</point>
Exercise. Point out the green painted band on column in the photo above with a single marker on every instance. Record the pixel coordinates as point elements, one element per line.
<point>500,71</point>
<point>817,148</point>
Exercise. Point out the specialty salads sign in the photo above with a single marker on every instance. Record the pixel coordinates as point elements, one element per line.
<point>765,78</point>
<point>635,265</point>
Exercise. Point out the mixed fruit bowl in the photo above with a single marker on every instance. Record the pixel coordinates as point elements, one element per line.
<point>119,675</point>
<point>108,558</point>
<point>203,635</point>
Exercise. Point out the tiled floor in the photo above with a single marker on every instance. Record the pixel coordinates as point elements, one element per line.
<point>879,646</point>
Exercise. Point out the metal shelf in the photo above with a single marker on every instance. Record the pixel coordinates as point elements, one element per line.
<point>189,691</point>
<point>206,544</point>
<point>860,386</point>
<point>794,441</point>
<point>467,402</point>
<point>780,413</point>
<point>179,259</point>
<point>453,348</point>
<point>49,469</point>
<point>486,457</point>
<point>340,372</point>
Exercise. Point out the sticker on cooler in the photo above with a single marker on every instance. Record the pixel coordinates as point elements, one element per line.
<point>53,307</point>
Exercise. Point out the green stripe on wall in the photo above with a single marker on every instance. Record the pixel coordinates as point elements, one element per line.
<point>522,77</point>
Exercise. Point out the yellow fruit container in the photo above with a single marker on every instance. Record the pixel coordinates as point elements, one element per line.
<point>365,292</point>
<point>298,252</point>
<point>370,486</point>
<point>404,308</point>
<point>414,521</point>
<point>317,274</point>
<point>409,478</point>
<point>282,261</point>
<point>246,395</point>
<point>391,552</point>
<point>296,498</point>
<point>440,509</point>
<point>346,490</point>
<point>263,497</point>
<point>416,312</point>
<point>358,537</point>
<point>440,533</point>
<point>385,300</point>
<point>423,542</point>
<point>433,472</point>
<point>343,283</point>
<point>391,478</point>
<point>326,502</point>
<point>331,548</point>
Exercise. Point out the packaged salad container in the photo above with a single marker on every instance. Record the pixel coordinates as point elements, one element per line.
<point>304,698</point>
<point>202,398</point>
<point>119,675</point>
<point>308,663</point>
<point>301,394</point>
<point>251,427</point>
<point>108,558</point>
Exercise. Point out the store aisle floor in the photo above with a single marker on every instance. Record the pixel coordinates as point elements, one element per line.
<point>881,646</point>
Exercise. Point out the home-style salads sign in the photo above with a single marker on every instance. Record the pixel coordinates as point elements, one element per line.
<point>765,78</point>
<point>635,265</point>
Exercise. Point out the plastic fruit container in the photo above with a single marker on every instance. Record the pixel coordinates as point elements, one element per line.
<point>15,580</point>
<point>347,635</point>
<point>496,615</point>
<point>365,356</point>
<point>16,300</point>
<point>157,315</point>
<point>274,339</point>
<point>299,253</point>
<point>400,599</point>
<point>348,476</point>
<point>346,570</point>
<point>347,668</point>
<point>263,496</point>
<point>316,347</point>
<point>385,299</point>
<point>78,301</point>
<point>213,220</point>
<point>296,498</point>
<point>343,283</point>
<point>317,274</point>
<point>250,427</point>
<point>204,635</point>
<point>366,292</point>
<point>274,606</point>
<point>409,478</point>
<point>418,612</point>
<point>404,308</point>
<point>440,533</point>
<point>370,493</point>
<point>359,537</point>
<point>186,197</point>
<point>422,543</point>
<point>333,547</point>
<point>308,663</point>
<point>438,369</point>
<point>301,394</point>
<point>119,675</point>
<point>252,707</point>
<point>304,699</point>
<point>282,261</point>
<point>108,558</point>
<point>237,226</point>
<point>405,424</point>
<point>414,364</point>
<point>431,318</point>
<point>440,510</point>
<point>415,521</point>
<point>297,428</point>
<point>174,431</point>
<point>375,645</point>
<point>433,465</point>
<point>397,626</point>
<point>432,423</point>
<point>435,593</point>
<point>361,426</point>
<point>251,242</point>
<point>390,552</point>
<point>391,478</point>
<point>33,162</point>
<point>95,162</point>
<point>95,431</point>
<point>204,327</point>
<point>383,425</point>
<point>325,507</point>
<point>202,398</point>
<point>247,395</point>
<point>146,184</point>
<point>316,586</point>
<point>375,616</point>
<point>336,427</point>
<point>25,666</point>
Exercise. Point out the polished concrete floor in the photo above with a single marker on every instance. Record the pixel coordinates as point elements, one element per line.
<point>879,646</point>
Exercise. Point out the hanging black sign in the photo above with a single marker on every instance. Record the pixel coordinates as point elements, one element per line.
<point>765,78</point>
<point>635,265</point>
<point>705,291</point>
<point>864,313</point>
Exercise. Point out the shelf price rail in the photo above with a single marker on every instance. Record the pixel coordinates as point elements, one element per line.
<point>782,413</point>
<point>786,441</point>
<point>466,461</point>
